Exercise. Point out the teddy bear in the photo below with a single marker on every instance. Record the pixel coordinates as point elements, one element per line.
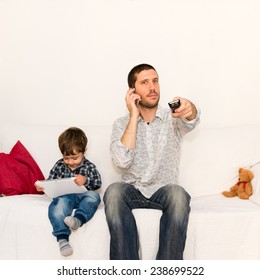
<point>243,188</point>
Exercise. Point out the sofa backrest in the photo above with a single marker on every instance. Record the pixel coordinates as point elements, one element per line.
<point>209,164</point>
<point>212,156</point>
<point>42,142</point>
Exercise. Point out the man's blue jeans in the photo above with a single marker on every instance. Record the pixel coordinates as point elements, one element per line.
<point>85,204</point>
<point>120,198</point>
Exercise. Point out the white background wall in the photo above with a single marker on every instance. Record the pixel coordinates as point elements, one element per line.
<point>66,61</point>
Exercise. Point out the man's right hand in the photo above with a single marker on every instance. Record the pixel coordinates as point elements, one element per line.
<point>129,137</point>
<point>132,102</point>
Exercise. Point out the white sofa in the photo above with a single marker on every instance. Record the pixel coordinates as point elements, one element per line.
<point>219,227</point>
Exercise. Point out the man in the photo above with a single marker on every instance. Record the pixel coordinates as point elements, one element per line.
<point>145,144</point>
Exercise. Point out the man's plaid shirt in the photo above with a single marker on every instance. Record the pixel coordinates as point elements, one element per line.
<point>87,169</point>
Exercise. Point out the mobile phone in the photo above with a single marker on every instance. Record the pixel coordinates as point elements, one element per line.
<point>175,104</point>
<point>137,101</point>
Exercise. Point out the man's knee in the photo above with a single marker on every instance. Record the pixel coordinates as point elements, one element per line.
<point>176,192</point>
<point>117,191</point>
<point>177,198</point>
<point>113,193</point>
<point>116,199</point>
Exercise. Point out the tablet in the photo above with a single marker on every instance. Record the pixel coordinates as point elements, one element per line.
<point>57,187</point>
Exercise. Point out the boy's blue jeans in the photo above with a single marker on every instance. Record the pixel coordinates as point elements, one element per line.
<point>85,204</point>
<point>120,198</point>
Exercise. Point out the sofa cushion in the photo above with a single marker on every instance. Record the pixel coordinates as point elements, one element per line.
<point>19,171</point>
<point>222,228</point>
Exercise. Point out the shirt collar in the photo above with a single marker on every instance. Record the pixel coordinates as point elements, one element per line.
<point>158,114</point>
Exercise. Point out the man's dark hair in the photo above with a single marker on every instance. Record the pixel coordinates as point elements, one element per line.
<point>132,76</point>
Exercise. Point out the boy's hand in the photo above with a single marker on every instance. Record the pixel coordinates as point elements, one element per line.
<point>39,188</point>
<point>80,180</point>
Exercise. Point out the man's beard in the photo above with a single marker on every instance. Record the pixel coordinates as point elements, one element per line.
<point>149,105</point>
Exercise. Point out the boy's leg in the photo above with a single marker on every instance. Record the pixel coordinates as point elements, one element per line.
<point>86,205</point>
<point>120,199</point>
<point>59,208</point>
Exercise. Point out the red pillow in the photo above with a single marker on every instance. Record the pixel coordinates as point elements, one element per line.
<point>18,172</point>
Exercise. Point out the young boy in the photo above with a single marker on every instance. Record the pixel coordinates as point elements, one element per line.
<point>73,145</point>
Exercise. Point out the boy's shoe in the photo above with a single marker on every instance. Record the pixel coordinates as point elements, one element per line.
<point>65,248</point>
<point>72,222</point>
